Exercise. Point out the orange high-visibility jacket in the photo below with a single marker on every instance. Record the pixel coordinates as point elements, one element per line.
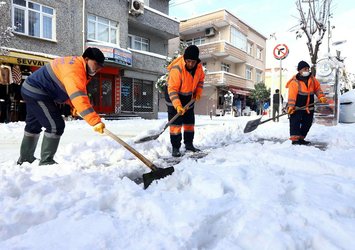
<point>181,82</point>
<point>70,74</point>
<point>301,95</point>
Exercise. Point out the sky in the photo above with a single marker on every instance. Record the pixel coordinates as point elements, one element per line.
<point>252,191</point>
<point>279,17</point>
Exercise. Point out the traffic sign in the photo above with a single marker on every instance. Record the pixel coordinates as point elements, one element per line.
<point>281,51</point>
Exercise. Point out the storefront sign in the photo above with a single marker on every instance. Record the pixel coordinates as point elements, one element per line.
<point>23,60</point>
<point>114,55</point>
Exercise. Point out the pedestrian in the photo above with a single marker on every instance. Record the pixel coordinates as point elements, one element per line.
<point>185,82</point>
<point>302,88</point>
<point>276,105</point>
<point>64,80</point>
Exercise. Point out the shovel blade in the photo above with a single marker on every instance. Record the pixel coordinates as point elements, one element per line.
<point>252,125</point>
<point>156,174</point>
<point>147,138</point>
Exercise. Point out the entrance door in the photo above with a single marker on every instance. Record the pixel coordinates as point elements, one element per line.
<point>101,93</point>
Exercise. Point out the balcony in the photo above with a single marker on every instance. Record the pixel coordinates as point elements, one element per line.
<point>225,79</point>
<point>155,22</point>
<point>148,61</point>
<point>222,50</point>
<point>216,19</point>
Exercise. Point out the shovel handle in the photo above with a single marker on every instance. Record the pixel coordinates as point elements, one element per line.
<point>130,149</point>
<point>186,107</point>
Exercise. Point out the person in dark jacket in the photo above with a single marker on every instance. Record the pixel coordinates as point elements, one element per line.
<point>276,104</point>
<point>302,88</point>
<point>64,80</point>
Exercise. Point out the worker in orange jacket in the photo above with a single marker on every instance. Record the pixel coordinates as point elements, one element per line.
<point>302,88</point>
<point>185,82</point>
<point>64,80</point>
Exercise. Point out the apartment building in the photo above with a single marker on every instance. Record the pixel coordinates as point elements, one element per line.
<point>133,35</point>
<point>233,54</point>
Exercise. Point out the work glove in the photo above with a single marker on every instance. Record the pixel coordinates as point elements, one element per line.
<point>74,112</point>
<point>197,97</point>
<point>291,110</point>
<point>180,110</point>
<point>99,127</point>
<point>323,99</point>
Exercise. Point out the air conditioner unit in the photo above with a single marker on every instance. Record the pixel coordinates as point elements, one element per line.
<point>210,32</point>
<point>136,7</point>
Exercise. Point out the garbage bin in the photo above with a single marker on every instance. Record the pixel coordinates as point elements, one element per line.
<point>347,107</point>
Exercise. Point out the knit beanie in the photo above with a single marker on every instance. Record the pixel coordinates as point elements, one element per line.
<point>301,65</point>
<point>95,54</point>
<point>192,52</point>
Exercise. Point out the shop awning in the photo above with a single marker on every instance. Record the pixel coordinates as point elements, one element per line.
<point>239,91</point>
<point>21,58</point>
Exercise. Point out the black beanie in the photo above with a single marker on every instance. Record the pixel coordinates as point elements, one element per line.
<point>301,65</point>
<point>95,54</point>
<point>192,52</point>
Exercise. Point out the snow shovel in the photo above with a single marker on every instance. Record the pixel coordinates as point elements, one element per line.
<point>153,137</point>
<point>148,178</point>
<point>252,125</point>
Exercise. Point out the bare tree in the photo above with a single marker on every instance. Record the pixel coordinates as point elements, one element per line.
<point>313,23</point>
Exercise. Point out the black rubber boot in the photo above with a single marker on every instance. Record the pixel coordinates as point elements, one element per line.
<point>176,152</point>
<point>28,148</point>
<point>190,147</point>
<point>49,148</point>
<point>303,142</point>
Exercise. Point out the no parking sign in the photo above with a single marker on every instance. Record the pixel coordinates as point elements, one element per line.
<point>281,51</point>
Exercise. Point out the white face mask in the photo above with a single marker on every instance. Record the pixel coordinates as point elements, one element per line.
<point>90,71</point>
<point>305,74</point>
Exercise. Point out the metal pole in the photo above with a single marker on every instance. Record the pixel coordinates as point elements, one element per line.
<point>280,102</point>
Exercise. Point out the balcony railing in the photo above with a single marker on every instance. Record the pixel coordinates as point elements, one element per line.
<point>222,49</point>
<point>225,79</point>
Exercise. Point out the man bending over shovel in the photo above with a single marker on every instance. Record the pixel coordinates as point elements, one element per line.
<point>185,82</point>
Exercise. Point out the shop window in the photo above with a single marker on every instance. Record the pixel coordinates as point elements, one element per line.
<point>143,96</point>
<point>102,29</point>
<point>33,19</point>
<point>138,43</point>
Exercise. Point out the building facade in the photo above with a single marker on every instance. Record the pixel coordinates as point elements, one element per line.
<point>233,54</point>
<point>132,34</point>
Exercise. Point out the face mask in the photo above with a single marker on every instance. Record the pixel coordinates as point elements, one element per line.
<point>305,74</point>
<point>90,71</point>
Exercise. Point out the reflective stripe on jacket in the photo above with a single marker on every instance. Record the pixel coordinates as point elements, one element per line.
<point>300,95</point>
<point>181,83</point>
<point>63,80</point>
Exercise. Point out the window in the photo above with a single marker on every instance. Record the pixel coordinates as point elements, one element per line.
<point>238,39</point>
<point>250,48</point>
<point>196,41</point>
<point>248,73</point>
<point>33,19</point>
<point>102,29</point>
<point>225,67</point>
<point>259,53</point>
<point>138,43</point>
<point>259,76</point>
<point>143,96</point>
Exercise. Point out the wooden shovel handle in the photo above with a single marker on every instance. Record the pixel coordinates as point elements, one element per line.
<point>130,149</point>
<point>186,107</point>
